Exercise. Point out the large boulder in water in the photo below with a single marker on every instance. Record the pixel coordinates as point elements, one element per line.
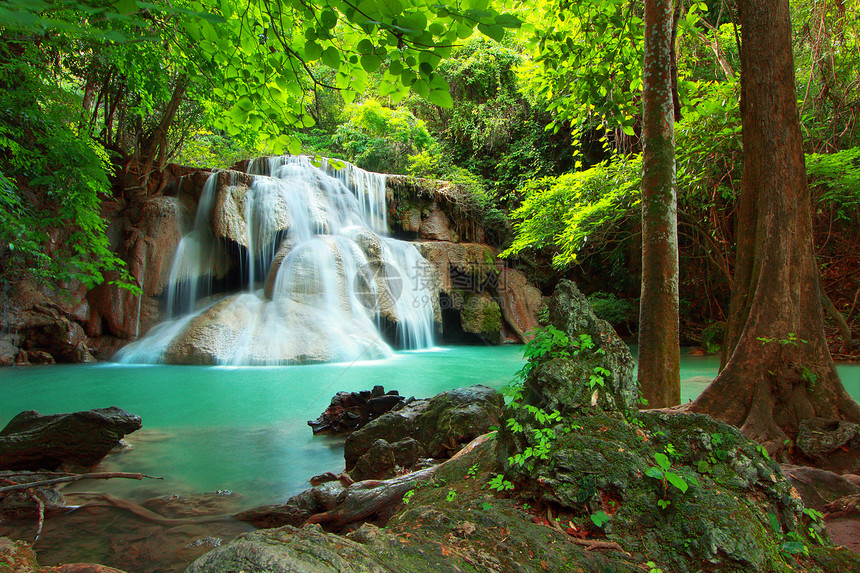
<point>31,441</point>
<point>248,330</point>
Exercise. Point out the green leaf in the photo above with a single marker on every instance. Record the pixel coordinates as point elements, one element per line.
<point>628,130</point>
<point>331,57</point>
<point>493,31</point>
<point>599,518</point>
<point>365,47</point>
<point>328,19</point>
<point>793,547</point>
<point>313,51</point>
<point>662,460</point>
<point>677,481</point>
<point>442,98</point>
<point>508,21</point>
<point>125,7</point>
<point>654,472</point>
<point>370,62</point>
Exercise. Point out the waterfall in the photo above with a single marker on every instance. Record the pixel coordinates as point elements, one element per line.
<point>319,279</point>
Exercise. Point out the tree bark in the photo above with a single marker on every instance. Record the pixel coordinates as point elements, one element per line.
<point>777,369</point>
<point>659,352</point>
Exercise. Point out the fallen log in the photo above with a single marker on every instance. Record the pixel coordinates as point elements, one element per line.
<point>366,498</point>
<point>31,441</point>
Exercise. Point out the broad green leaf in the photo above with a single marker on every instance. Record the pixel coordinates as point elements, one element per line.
<point>463,31</point>
<point>508,21</point>
<point>493,31</point>
<point>677,481</point>
<point>654,472</point>
<point>370,62</point>
<point>313,51</point>
<point>599,518</point>
<point>442,98</point>
<point>793,548</point>
<point>662,460</point>
<point>125,7</point>
<point>413,22</point>
<point>328,19</point>
<point>421,87</point>
<point>331,57</point>
<point>365,47</point>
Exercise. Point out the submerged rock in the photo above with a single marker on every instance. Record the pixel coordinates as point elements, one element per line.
<point>31,441</point>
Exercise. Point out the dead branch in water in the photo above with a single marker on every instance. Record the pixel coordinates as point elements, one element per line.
<point>78,477</point>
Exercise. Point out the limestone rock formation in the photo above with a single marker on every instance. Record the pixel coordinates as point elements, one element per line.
<point>519,301</point>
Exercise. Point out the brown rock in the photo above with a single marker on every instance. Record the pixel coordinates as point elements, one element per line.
<point>461,266</point>
<point>436,226</point>
<point>519,301</point>
<point>31,441</point>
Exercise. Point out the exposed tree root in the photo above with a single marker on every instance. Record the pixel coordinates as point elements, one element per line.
<point>108,500</point>
<point>589,544</point>
<point>71,478</point>
<point>41,506</point>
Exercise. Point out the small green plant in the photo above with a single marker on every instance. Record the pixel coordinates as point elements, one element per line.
<point>652,567</point>
<point>486,506</point>
<point>663,473</point>
<point>808,376</point>
<point>792,543</point>
<point>791,339</point>
<point>499,483</point>
<point>597,377</point>
<point>599,518</point>
<point>816,524</point>
<point>546,340</point>
<point>452,495</point>
<point>407,497</point>
<point>472,471</point>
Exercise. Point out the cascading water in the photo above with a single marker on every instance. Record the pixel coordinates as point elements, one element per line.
<point>320,280</point>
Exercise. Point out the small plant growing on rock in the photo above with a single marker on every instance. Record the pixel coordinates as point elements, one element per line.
<point>499,483</point>
<point>599,518</point>
<point>663,473</point>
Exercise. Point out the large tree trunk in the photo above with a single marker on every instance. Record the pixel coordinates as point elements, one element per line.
<point>659,353</point>
<point>777,369</point>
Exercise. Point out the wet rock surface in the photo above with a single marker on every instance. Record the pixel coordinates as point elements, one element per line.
<point>31,441</point>
<point>349,411</point>
<point>440,425</point>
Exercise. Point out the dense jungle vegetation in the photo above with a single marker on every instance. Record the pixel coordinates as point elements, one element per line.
<point>535,111</point>
<point>542,125</point>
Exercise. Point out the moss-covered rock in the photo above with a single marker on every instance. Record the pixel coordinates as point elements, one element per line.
<point>442,424</point>
<point>481,315</point>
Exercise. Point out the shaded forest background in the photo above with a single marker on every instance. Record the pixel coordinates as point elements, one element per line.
<point>542,127</point>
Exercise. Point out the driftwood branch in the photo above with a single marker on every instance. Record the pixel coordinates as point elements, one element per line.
<point>368,497</point>
<point>78,477</point>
